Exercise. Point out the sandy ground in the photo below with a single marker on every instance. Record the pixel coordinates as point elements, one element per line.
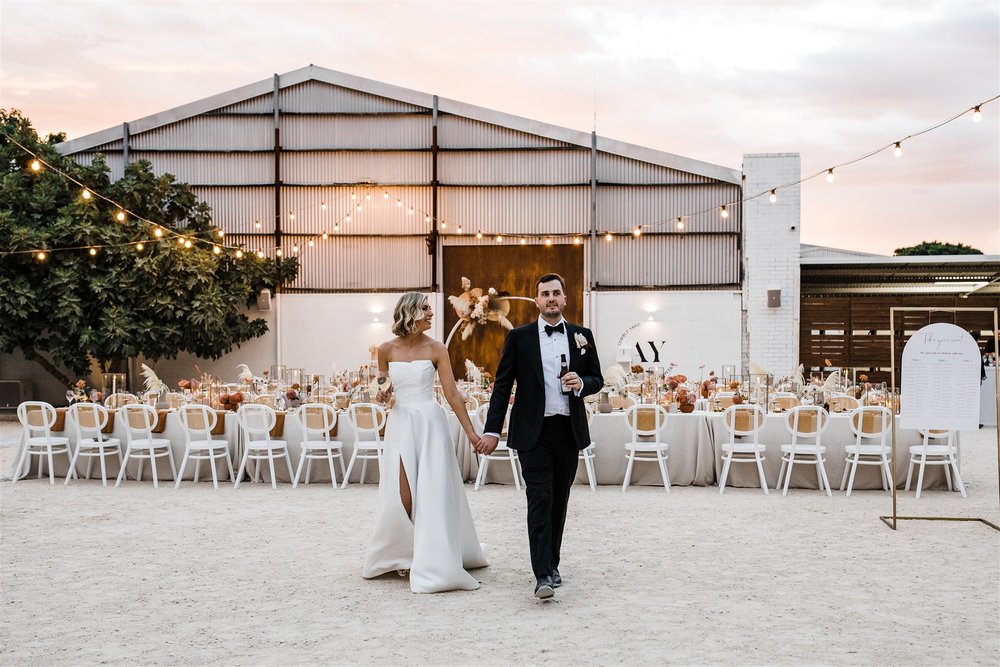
<point>142,576</point>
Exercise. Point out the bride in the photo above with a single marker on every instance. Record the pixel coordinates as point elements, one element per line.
<point>423,523</point>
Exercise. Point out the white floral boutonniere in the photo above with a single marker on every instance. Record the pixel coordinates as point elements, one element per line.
<point>581,342</point>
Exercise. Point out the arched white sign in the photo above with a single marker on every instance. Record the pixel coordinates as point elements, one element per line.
<point>939,387</point>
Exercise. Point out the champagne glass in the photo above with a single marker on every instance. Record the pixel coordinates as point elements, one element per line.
<point>70,394</point>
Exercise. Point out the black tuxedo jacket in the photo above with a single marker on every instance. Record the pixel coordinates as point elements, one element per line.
<point>521,362</point>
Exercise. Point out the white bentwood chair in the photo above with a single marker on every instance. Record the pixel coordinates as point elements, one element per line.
<point>927,454</point>
<point>198,422</point>
<point>805,422</point>
<point>139,421</point>
<point>501,453</point>
<point>89,421</point>
<point>37,419</point>
<point>588,455</point>
<point>870,425</point>
<point>743,421</point>
<point>256,421</point>
<point>317,420</point>
<point>639,449</point>
<point>367,420</point>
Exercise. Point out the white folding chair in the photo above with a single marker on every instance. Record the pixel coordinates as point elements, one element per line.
<point>256,421</point>
<point>89,420</point>
<point>587,455</point>
<point>871,426</point>
<point>318,419</point>
<point>743,421</point>
<point>501,453</point>
<point>140,420</point>
<point>37,419</point>
<point>805,422</point>
<point>198,422</point>
<point>927,454</point>
<point>644,422</point>
<point>367,421</point>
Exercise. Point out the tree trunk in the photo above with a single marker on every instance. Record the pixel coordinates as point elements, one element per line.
<point>52,369</point>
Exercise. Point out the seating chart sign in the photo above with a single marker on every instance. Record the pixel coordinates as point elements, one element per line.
<point>939,387</point>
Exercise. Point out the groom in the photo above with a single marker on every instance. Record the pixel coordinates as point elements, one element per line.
<point>548,428</point>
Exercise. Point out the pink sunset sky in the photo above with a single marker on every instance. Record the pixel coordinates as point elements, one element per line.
<point>706,80</point>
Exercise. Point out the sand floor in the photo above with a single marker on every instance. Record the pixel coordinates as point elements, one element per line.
<point>157,576</point>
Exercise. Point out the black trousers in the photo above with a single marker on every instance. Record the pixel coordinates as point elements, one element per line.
<point>549,469</point>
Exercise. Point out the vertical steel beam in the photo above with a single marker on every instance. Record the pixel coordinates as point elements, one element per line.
<point>277,171</point>
<point>593,209</point>
<point>433,244</point>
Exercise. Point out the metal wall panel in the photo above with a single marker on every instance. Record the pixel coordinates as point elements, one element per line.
<point>458,132</point>
<point>618,169</point>
<point>378,215</point>
<point>622,207</point>
<point>114,161</point>
<point>237,209</point>
<point>668,260</point>
<point>318,97</point>
<point>517,210</point>
<point>377,132</point>
<point>212,168</point>
<point>356,167</point>
<point>263,104</point>
<point>514,168</point>
<point>208,132</point>
<point>352,263</point>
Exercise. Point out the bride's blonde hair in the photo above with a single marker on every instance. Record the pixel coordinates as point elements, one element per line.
<point>408,311</point>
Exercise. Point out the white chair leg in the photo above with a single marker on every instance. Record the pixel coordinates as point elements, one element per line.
<point>298,471</point>
<point>788,472</point>
<point>513,469</point>
<point>888,473</point>
<point>243,467</point>
<point>90,462</point>
<point>947,477</point>
<point>104,468</point>
<point>781,473</point>
<point>309,468</point>
<point>760,472</point>
<point>288,462</point>
<point>72,465</point>
<point>484,463</point>
<point>41,465</point>
<point>826,480</point>
<point>909,474</point>
<point>847,466</point>
<point>123,466</point>
<point>333,472</point>
<point>628,470</point>
<point>20,463</point>
<point>661,459</point>
<point>229,465</point>
<point>588,463</point>
<point>184,461</point>
<point>958,477</point>
<point>350,467</point>
<point>215,473</point>
<point>52,468</point>
<point>197,469</point>
<point>854,471</point>
<point>170,457</point>
<point>142,461</point>
<point>270,465</point>
<point>364,470</point>
<point>920,475</point>
<point>725,473</point>
<point>152,464</point>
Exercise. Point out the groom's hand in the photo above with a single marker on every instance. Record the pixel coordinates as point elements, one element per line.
<point>487,444</point>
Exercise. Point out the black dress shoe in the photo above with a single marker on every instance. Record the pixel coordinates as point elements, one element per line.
<point>556,579</point>
<point>544,588</point>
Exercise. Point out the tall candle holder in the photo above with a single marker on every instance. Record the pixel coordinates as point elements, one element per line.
<point>112,383</point>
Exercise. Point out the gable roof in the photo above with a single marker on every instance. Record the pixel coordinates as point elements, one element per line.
<point>426,100</point>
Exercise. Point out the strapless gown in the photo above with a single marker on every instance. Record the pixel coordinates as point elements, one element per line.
<point>440,542</point>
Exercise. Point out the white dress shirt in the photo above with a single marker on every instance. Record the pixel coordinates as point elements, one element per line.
<point>556,403</point>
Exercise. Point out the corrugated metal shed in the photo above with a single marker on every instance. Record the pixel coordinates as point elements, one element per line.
<point>341,135</point>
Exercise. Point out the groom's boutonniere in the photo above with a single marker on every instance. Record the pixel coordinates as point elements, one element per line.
<point>581,342</point>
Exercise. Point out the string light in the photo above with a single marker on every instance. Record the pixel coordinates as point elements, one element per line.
<point>86,194</point>
<point>359,208</point>
<point>353,196</point>
<point>829,175</point>
<point>608,237</point>
<point>523,241</point>
<point>36,166</point>
<point>158,232</point>
<point>368,197</point>
<point>898,152</point>
<point>120,216</point>
<point>459,230</point>
<point>239,253</point>
<point>385,195</point>
<point>180,240</point>
<point>295,247</point>
<point>40,256</point>
<point>93,252</point>
<point>548,242</point>
<point>322,206</point>
<point>256,224</point>
<point>399,202</point>
<point>260,254</point>
<point>325,236</point>
<point>637,232</point>
<point>427,218</point>
<point>499,238</point>
<point>187,243</point>
<point>139,246</point>
<point>977,115</point>
<point>410,212</point>
<point>577,240</point>
<point>774,196</point>
<point>725,212</point>
<point>291,216</point>
<point>216,250</point>
<point>278,252</point>
<point>347,218</point>
<point>680,224</point>
<point>479,234</point>
<point>336,227</point>
<point>311,243</point>
<point>221,233</point>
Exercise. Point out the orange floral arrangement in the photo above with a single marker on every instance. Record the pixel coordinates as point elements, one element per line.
<point>232,401</point>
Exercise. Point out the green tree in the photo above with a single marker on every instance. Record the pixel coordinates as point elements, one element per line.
<point>73,308</point>
<point>938,248</point>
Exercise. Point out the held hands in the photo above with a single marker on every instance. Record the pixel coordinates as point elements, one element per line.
<point>486,444</point>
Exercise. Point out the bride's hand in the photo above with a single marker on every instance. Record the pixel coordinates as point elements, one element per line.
<point>474,440</point>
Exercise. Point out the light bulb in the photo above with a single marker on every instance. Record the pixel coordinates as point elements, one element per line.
<point>548,242</point>
<point>295,247</point>
<point>375,318</point>
<point>347,218</point>
<point>358,207</point>
<point>523,241</point>
<point>774,196</point>
<point>399,202</point>
<point>607,236</point>
<point>368,197</point>
<point>444,225</point>
<point>459,230</point>
<point>41,256</point>
<point>239,254</point>
<point>260,254</point>
<point>336,227</point>
<point>725,212</point>
<point>829,175</point>
<point>325,236</point>
<point>139,246</point>
<point>427,218</point>
<point>158,232</point>
<point>479,234</point>
<point>353,196</point>
<point>385,195</point>
<point>499,238</point>
<point>322,206</point>
<point>650,318</point>
<point>311,243</point>
<point>93,252</point>
<point>221,233</point>
<point>278,253</point>
<point>85,194</point>
<point>120,216</point>
<point>899,150</point>
<point>410,211</point>
<point>291,216</point>
<point>577,240</point>
<point>216,250</point>
<point>256,224</point>
<point>637,232</point>
<point>180,240</point>
<point>680,225</point>
<point>187,243</point>
<point>36,166</point>
<point>977,115</point>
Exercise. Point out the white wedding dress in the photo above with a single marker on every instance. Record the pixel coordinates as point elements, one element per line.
<point>440,542</point>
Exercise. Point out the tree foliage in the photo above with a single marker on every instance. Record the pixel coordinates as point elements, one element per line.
<point>74,308</point>
<point>937,248</point>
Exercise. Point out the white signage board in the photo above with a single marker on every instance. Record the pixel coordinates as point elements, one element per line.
<point>940,379</point>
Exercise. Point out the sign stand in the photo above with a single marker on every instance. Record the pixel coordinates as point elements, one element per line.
<point>892,520</point>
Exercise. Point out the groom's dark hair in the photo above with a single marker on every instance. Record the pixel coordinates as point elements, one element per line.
<point>549,277</point>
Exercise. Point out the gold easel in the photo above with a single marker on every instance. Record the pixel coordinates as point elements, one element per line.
<point>895,411</point>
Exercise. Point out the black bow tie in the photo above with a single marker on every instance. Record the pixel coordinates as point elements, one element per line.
<point>550,330</point>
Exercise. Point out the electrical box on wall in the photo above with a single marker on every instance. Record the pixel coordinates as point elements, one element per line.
<point>13,393</point>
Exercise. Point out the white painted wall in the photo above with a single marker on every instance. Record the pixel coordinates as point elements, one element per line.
<point>688,328</point>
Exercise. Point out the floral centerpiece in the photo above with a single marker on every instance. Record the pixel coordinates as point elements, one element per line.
<point>232,401</point>
<point>79,391</point>
<point>474,306</point>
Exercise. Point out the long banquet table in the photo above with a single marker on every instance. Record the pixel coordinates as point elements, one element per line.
<point>694,456</point>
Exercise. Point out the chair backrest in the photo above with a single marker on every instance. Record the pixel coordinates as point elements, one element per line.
<point>871,421</point>
<point>197,421</point>
<point>316,418</point>
<point>744,420</point>
<point>264,399</point>
<point>471,403</point>
<point>807,421</point>
<point>646,420</point>
<point>930,434</point>
<point>341,400</point>
<point>366,419</point>
<point>621,402</point>
<point>115,401</point>
<point>480,419</point>
<point>783,401</point>
<point>139,418</point>
<point>320,399</point>
<point>723,399</point>
<point>90,420</point>
<point>256,420</point>
<point>37,416</point>
<point>842,403</point>
<point>175,399</point>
